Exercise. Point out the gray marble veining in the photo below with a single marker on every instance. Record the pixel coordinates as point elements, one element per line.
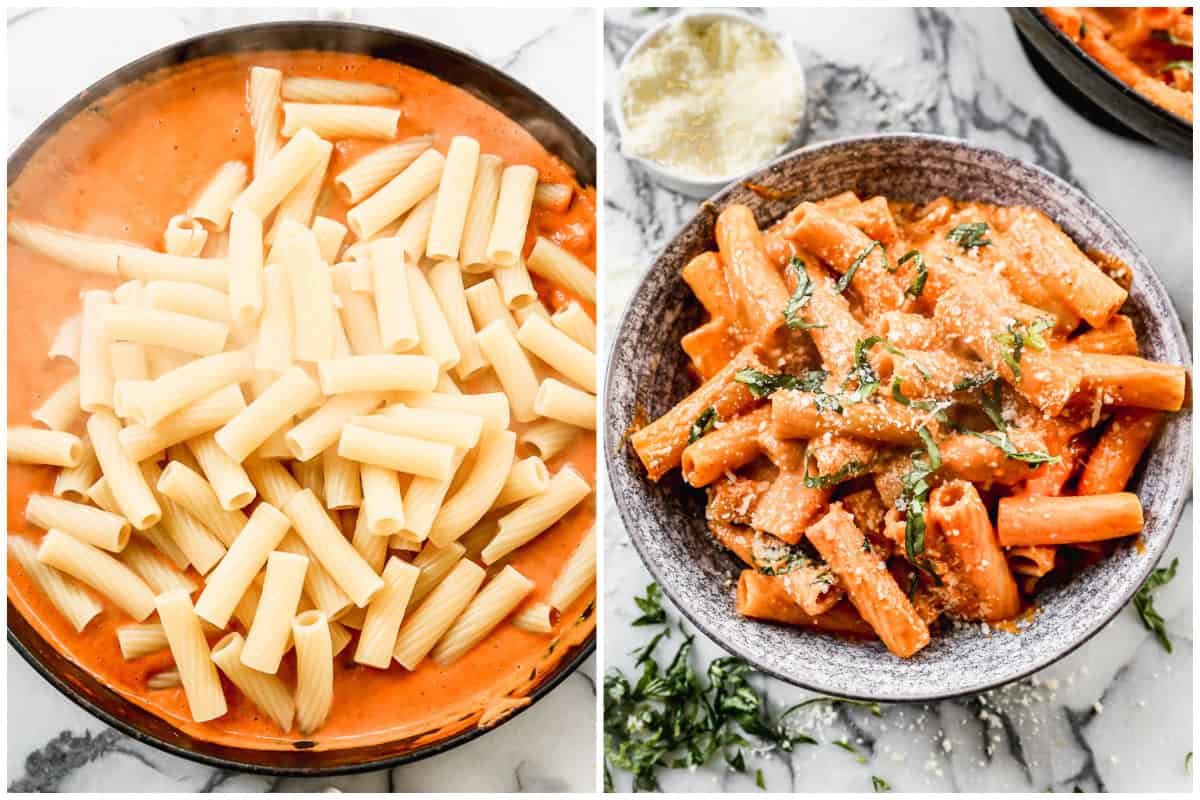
<point>55,746</point>
<point>1116,714</point>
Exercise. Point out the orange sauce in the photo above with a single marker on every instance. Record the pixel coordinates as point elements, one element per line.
<point>121,169</point>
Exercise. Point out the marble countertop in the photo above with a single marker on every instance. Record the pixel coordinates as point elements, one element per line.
<point>53,745</point>
<point>1115,715</point>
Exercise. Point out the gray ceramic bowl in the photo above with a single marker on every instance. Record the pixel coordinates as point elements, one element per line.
<point>647,371</point>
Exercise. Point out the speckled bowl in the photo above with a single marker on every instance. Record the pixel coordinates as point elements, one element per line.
<point>647,370</point>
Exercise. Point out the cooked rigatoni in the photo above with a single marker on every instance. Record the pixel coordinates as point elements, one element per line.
<point>556,400</point>
<point>292,393</point>
<point>214,202</point>
<point>268,635</point>
<point>28,445</point>
<point>269,694</point>
<point>507,237</point>
<point>263,90</point>
<point>206,699</point>
<point>226,584</point>
<point>558,266</point>
<point>384,615</point>
<point>398,195</point>
<point>314,670</point>
<point>86,523</point>
<point>488,608</point>
<point>69,597</point>
<point>329,546</point>
<point>375,169</point>
<point>97,569</point>
<point>577,574</point>
<point>524,523</point>
<point>421,631</point>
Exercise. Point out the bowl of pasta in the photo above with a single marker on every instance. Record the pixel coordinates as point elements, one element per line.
<point>285,493</point>
<point>1130,69</point>
<point>899,418</point>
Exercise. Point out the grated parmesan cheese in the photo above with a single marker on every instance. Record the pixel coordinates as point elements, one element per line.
<point>710,97</point>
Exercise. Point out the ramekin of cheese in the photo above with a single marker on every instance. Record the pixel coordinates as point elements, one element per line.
<point>707,96</point>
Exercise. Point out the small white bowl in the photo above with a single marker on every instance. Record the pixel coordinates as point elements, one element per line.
<point>673,179</point>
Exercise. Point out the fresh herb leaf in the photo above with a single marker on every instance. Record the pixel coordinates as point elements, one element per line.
<point>844,281</point>
<point>842,743</point>
<point>703,424</point>
<point>1010,450</point>
<point>969,234</point>
<point>847,472</point>
<point>878,784</point>
<point>1020,336</point>
<point>763,384</point>
<point>915,494</point>
<point>793,559</point>
<point>1143,602</point>
<point>1187,65</point>
<point>758,779</point>
<point>799,298</point>
<point>737,763</point>
<point>932,404</point>
<point>917,285</point>
<point>913,580</point>
<point>870,705</point>
<point>1167,36</point>
<point>862,372</point>
<point>1187,763</point>
<point>651,607</point>
<point>972,382</point>
<point>991,403</point>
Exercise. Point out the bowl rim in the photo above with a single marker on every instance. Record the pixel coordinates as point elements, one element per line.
<point>1066,45</point>
<point>780,38</point>
<point>614,443</point>
<point>121,76</point>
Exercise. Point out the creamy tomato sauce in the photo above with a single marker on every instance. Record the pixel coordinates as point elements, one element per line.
<point>121,169</point>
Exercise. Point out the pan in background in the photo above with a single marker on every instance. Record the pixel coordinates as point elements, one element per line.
<point>1093,91</point>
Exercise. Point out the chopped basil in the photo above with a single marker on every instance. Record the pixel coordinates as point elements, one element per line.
<point>758,779</point>
<point>972,382</point>
<point>1187,65</point>
<point>673,717</point>
<point>932,404</point>
<point>847,472</point>
<point>969,234</point>
<point>1167,36</point>
<point>872,706</point>
<point>703,424</point>
<point>763,384</point>
<point>799,298</point>
<point>842,743</point>
<point>878,784</point>
<point>862,372</point>
<point>1002,441</point>
<point>917,285</point>
<point>844,281</point>
<point>1143,602</point>
<point>1019,337</point>
<point>650,606</point>
<point>916,493</point>
<point>913,580</point>
<point>990,402</point>
<point>1187,762</point>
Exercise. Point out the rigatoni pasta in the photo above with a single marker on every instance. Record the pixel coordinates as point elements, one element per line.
<point>879,386</point>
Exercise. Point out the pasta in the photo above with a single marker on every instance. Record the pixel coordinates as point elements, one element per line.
<point>1149,49</point>
<point>205,697</point>
<point>69,597</point>
<point>879,382</point>
<point>486,610</point>
<point>375,169</point>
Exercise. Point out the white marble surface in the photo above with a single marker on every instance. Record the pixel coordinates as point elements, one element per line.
<point>55,746</point>
<point>1117,714</point>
